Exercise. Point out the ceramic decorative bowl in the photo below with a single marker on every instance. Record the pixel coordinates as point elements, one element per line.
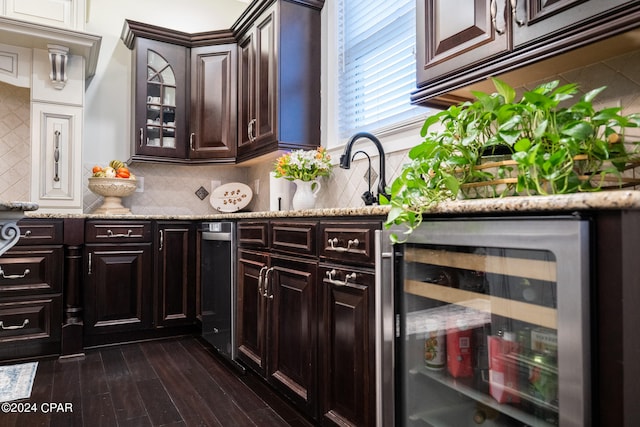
<point>113,190</point>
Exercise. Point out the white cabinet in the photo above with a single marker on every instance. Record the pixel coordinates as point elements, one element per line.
<point>56,176</point>
<point>57,13</point>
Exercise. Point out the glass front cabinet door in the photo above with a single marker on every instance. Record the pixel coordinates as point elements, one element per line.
<point>492,324</point>
<point>160,99</point>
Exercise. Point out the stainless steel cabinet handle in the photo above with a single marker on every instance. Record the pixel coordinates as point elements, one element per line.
<point>351,244</point>
<point>191,137</point>
<point>250,132</point>
<point>141,137</point>
<point>514,13</point>
<point>14,276</point>
<point>11,328</point>
<point>89,264</point>
<point>267,293</point>
<point>331,274</point>
<point>494,14</point>
<point>56,156</point>
<point>261,279</point>
<point>129,234</point>
<point>26,234</point>
<point>161,240</point>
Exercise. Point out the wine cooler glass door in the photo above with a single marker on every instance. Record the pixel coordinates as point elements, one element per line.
<point>493,323</point>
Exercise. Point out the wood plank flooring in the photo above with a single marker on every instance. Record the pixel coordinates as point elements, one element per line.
<point>177,382</point>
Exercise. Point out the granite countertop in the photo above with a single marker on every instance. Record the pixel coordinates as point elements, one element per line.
<point>15,210</point>
<point>604,200</point>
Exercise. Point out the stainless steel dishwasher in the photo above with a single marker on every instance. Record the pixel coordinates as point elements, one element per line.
<point>217,269</point>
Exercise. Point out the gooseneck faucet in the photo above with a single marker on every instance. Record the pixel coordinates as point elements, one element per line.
<point>345,159</point>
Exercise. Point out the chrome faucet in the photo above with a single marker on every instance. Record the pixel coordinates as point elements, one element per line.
<point>345,160</point>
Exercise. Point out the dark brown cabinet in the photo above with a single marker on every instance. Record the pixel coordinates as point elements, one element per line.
<point>175,273</point>
<point>184,94</point>
<point>31,289</point>
<point>212,133</point>
<point>160,99</point>
<point>277,308</point>
<point>456,46</point>
<point>118,293</point>
<point>347,334</point>
<point>278,79</point>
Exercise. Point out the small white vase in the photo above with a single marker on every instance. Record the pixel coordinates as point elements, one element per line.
<point>305,195</point>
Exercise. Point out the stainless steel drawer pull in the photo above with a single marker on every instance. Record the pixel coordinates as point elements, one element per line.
<point>514,13</point>
<point>56,156</point>
<point>26,234</point>
<point>494,12</point>
<point>332,273</point>
<point>11,328</point>
<point>14,276</point>
<point>129,234</point>
<point>351,244</point>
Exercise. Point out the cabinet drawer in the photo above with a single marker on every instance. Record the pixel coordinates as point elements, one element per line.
<point>349,242</point>
<point>40,232</point>
<point>114,232</point>
<point>32,319</point>
<point>25,270</point>
<point>295,237</point>
<point>253,234</point>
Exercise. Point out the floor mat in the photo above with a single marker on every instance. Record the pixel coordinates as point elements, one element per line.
<point>16,381</point>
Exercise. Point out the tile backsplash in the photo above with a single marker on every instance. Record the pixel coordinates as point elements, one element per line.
<point>171,189</point>
<point>15,143</point>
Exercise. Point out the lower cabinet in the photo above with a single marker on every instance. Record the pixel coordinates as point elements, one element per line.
<point>176,271</point>
<point>306,316</point>
<point>277,312</point>
<point>290,289</point>
<point>347,346</point>
<point>118,292</point>
<point>31,289</point>
<point>139,279</point>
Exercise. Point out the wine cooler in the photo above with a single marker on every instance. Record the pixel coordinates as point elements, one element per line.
<point>485,322</point>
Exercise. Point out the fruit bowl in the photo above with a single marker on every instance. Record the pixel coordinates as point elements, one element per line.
<point>113,190</point>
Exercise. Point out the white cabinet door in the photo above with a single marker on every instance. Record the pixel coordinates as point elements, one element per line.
<point>56,157</point>
<point>58,13</point>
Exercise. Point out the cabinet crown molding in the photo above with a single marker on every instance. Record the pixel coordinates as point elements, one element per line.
<point>24,34</point>
<point>132,29</point>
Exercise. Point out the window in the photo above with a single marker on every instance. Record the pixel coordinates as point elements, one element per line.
<point>376,64</point>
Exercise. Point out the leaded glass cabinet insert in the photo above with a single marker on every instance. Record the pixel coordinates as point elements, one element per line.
<point>161,102</point>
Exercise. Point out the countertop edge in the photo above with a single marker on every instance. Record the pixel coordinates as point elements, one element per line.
<point>604,200</point>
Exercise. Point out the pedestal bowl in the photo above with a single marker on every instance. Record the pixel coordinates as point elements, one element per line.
<point>113,190</point>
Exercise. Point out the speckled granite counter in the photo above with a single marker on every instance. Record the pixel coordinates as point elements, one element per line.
<point>605,200</point>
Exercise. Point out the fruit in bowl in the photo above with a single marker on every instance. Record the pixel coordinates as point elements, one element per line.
<point>116,169</point>
<point>112,182</point>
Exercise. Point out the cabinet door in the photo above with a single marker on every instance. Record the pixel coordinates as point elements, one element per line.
<point>213,102</point>
<point>56,157</point>
<point>118,295</point>
<point>257,85</point>
<point>160,100</point>
<point>176,267</point>
<point>453,34</point>
<point>347,346</point>
<point>292,339</point>
<point>251,309</point>
<point>533,19</point>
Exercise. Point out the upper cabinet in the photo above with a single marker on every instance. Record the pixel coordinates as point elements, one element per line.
<point>278,77</point>
<point>231,95</point>
<point>68,14</point>
<point>458,45</point>
<point>184,96</point>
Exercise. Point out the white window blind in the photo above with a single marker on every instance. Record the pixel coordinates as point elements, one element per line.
<point>377,69</point>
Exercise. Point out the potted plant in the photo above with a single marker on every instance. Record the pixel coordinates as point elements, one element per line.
<point>550,149</point>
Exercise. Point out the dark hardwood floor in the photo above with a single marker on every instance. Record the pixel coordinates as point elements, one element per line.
<point>177,382</point>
